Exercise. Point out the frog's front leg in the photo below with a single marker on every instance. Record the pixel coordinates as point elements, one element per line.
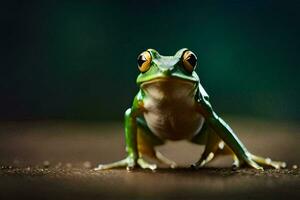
<point>140,141</point>
<point>133,158</point>
<point>131,143</point>
<point>229,137</point>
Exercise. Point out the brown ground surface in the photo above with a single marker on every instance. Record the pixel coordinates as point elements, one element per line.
<point>54,160</point>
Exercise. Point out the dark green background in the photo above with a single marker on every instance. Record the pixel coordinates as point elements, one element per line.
<point>77,59</point>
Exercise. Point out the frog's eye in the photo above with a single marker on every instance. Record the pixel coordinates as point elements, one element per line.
<point>189,61</point>
<point>144,61</point>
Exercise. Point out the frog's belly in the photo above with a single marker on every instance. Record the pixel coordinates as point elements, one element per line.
<point>174,124</point>
<point>171,114</point>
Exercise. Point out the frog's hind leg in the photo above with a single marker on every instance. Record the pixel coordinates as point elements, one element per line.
<point>214,147</point>
<point>147,142</point>
<point>267,162</point>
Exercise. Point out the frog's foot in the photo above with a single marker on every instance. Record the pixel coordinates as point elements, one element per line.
<point>258,162</point>
<point>268,162</point>
<point>128,162</point>
<point>145,165</point>
<point>250,162</point>
<point>164,160</point>
<point>236,162</point>
<point>203,160</point>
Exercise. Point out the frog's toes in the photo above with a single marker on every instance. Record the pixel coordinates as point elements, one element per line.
<point>236,162</point>
<point>121,163</point>
<point>195,166</point>
<point>205,158</point>
<point>145,165</point>
<point>254,165</point>
<point>283,164</point>
<point>275,164</point>
<point>198,164</point>
<point>100,167</point>
<point>127,162</point>
<point>164,160</point>
<point>268,162</point>
<point>173,165</point>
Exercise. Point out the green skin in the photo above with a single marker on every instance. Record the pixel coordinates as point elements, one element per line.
<point>214,133</point>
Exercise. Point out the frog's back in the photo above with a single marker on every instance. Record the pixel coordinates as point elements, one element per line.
<point>170,109</point>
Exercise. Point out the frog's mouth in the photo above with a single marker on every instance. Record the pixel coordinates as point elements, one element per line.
<point>166,77</point>
<point>170,80</point>
<point>169,87</point>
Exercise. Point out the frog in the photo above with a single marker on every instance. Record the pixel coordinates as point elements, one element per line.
<point>172,105</point>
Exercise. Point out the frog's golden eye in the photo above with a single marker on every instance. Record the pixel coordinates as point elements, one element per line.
<point>189,61</point>
<point>144,61</point>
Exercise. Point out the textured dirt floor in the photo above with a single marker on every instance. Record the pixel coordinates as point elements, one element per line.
<point>55,160</point>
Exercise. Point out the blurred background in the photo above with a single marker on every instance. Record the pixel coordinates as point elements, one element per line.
<point>76,60</point>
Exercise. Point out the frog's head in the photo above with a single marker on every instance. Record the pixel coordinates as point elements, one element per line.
<point>154,66</point>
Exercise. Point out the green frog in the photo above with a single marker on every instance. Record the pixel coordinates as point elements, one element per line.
<point>171,104</point>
